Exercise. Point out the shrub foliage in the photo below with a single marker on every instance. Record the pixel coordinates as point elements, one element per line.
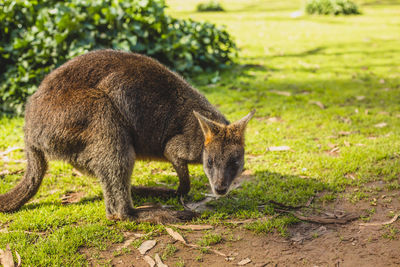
<point>36,36</point>
<point>209,6</point>
<point>332,7</point>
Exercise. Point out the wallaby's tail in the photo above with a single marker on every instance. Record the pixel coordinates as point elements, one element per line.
<point>29,185</point>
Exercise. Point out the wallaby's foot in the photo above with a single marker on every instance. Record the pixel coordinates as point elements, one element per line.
<point>144,191</point>
<point>155,215</point>
<point>162,216</point>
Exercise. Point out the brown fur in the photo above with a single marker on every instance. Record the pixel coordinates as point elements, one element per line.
<point>103,110</point>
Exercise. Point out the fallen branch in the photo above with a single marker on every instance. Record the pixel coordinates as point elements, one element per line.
<point>323,220</point>
<point>382,223</point>
<point>288,207</point>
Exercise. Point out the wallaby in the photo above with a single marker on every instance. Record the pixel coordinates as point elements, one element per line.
<point>105,109</point>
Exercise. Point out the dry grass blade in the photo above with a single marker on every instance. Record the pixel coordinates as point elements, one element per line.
<point>278,148</point>
<point>149,261</point>
<point>9,150</point>
<point>382,223</point>
<point>284,93</point>
<point>175,235</point>
<point>146,246</point>
<point>159,261</point>
<point>318,103</point>
<point>18,258</point>
<point>193,227</point>
<point>207,248</point>
<point>6,257</point>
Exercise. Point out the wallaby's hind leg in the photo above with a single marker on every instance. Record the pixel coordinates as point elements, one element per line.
<point>114,169</point>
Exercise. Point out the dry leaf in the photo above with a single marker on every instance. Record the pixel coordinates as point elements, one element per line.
<point>159,261</point>
<point>278,148</point>
<point>126,243</point>
<point>146,246</point>
<point>284,93</point>
<point>175,235</point>
<point>193,227</point>
<point>335,149</point>
<point>318,103</point>
<point>343,133</point>
<point>72,197</point>
<point>149,261</point>
<point>296,14</point>
<point>6,257</point>
<point>381,81</point>
<point>381,125</point>
<point>360,97</point>
<point>198,206</point>
<point>244,262</point>
<point>346,143</point>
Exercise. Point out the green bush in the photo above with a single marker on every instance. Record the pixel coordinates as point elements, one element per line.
<point>36,36</point>
<point>209,6</point>
<point>332,7</point>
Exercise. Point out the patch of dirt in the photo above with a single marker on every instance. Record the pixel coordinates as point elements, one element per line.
<point>308,244</point>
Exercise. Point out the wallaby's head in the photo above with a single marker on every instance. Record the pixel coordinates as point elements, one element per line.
<point>223,154</point>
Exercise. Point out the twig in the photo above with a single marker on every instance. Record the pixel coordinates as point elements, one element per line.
<point>7,172</point>
<point>208,248</point>
<point>323,220</point>
<point>288,207</point>
<point>382,223</point>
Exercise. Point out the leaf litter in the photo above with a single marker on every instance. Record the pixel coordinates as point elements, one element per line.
<point>146,246</point>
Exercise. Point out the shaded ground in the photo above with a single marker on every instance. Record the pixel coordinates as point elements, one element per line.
<point>307,244</point>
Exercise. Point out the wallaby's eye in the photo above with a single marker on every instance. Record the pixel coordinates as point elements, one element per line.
<point>209,162</point>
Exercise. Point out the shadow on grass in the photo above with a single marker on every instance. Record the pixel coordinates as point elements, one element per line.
<point>266,186</point>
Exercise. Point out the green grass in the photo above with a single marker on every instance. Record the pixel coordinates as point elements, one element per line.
<point>334,60</point>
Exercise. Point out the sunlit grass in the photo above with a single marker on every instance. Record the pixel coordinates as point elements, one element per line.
<point>349,64</point>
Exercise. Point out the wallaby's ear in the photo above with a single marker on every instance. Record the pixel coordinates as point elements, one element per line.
<point>209,127</point>
<point>242,123</point>
<point>239,126</point>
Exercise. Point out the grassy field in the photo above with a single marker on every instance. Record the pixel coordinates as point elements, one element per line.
<point>327,87</point>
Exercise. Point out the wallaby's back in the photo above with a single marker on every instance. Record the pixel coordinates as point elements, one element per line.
<point>153,103</point>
